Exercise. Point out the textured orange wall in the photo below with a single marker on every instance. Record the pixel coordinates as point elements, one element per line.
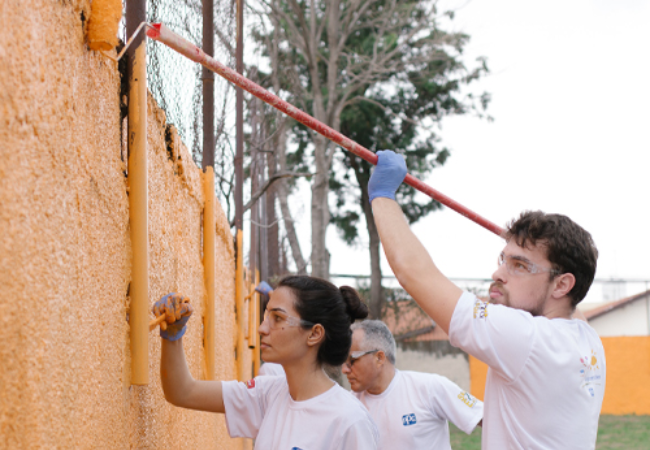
<point>477,376</point>
<point>627,389</point>
<point>65,251</point>
<point>628,375</point>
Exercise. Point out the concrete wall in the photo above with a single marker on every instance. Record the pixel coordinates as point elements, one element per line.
<point>65,250</point>
<point>435,357</point>
<point>627,389</point>
<point>632,319</point>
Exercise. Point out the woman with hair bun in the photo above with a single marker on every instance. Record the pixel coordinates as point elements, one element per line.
<point>306,327</point>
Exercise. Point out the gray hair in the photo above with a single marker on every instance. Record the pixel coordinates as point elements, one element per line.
<point>377,336</point>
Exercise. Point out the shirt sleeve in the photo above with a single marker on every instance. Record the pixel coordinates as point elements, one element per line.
<point>500,336</point>
<point>245,405</point>
<point>452,403</point>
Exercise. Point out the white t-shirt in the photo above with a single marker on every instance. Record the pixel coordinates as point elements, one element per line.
<point>263,409</point>
<point>271,369</point>
<point>546,377</point>
<point>413,411</point>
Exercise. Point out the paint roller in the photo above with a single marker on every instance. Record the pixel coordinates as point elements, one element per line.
<point>161,33</point>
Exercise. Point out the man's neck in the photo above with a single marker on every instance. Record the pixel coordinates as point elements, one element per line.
<point>383,380</point>
<point>558,309</point>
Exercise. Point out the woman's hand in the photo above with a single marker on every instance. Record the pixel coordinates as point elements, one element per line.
<point>177,309</point>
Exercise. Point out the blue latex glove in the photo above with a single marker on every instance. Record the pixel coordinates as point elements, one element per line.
<point>264,288</point>
<point>387,176</point>
<point>177,310</point>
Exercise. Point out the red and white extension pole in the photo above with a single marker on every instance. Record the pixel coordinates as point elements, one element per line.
<point>161,33</point>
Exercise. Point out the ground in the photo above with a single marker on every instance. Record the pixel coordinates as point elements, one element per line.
<point>614,432</point>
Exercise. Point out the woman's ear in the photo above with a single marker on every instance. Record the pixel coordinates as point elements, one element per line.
<point>563,284</point>
<point>316,335</point>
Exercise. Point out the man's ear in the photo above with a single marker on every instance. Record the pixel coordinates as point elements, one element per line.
<point>316,335</point>
<point>563,284</point>
<point>381,357</point>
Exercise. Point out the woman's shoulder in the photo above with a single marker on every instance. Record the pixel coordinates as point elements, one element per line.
<point>347,404</point>
<point>271,383</point>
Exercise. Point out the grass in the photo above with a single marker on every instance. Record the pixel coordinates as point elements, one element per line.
<point>614,432</point>
<point>623,432</point>
<point>461,441</point>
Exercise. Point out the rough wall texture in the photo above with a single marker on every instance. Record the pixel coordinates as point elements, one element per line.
<point>627,389</point>
<point>65,252</point>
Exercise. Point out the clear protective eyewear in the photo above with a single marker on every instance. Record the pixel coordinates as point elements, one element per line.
<point>355,356</point>
<point>278,319</point>
<point>516,265</point>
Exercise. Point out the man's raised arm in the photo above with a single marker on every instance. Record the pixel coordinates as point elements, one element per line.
<point>407,257</point>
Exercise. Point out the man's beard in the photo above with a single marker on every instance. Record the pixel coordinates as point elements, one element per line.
<point>505,301</point>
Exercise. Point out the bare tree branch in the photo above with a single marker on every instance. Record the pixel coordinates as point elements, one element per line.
<point>267,184</point>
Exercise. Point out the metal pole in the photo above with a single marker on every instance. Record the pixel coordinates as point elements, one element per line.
<point>207,76</point>
<point>239,189</point>
<point>239,154</point>
<point>136,13</point>
<point>254,168</point>
<point>163,34</point>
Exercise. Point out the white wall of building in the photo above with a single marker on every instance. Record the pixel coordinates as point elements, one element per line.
<point>632,319</point>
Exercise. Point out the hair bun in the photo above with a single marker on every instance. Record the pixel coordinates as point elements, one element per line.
<point>355,308</point>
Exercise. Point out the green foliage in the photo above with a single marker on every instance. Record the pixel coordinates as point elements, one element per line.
<point>385,77</point>
<point>392,113</point>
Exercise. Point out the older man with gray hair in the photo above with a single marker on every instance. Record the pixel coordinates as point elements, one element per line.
<point>411,409</point>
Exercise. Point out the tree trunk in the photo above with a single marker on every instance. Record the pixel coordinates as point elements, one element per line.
<point>281,188</point>
<point>320,213</point>
<point>377,298</point>
<point>272,232</point>
<point>283,194</point>
<point>296,253</point>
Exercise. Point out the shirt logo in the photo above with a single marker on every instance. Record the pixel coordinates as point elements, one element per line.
<point>467,399</point>
<point>480,310</point>
<point>408,419</point>
<point>590,372</point>
<point>590,362</point>
<point>250,384</point>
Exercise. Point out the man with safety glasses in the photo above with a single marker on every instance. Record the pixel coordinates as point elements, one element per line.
<point>546,377</point>
<point>411,409</point>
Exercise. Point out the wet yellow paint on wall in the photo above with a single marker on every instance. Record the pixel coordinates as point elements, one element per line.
<point>65,250</point>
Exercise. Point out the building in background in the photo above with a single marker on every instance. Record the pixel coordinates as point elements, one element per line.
<point>629,316</point>
<point>422,346</point>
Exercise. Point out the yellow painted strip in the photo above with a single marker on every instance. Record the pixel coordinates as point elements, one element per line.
<point>139,217</point>
<point>209,265</point>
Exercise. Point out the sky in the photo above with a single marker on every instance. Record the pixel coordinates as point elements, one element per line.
<point>571,109</point>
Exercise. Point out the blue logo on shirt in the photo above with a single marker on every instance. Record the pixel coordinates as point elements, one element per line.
<point>408,419</point>
<point>295,448</point>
